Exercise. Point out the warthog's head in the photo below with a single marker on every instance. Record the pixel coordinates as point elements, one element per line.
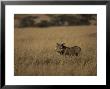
<point>60,47</point>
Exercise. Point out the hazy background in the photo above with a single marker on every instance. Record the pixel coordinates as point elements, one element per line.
<point>49,20</point>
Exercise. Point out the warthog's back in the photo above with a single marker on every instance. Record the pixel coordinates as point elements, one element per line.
<point>72,50</point>
<point>76,49</point>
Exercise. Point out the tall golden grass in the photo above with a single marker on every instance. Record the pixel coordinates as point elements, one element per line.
<point>35,55</point>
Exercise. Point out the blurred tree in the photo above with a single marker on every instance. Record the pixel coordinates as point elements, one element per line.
<point>27,21</point>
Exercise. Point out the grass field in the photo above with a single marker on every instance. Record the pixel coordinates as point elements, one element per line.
<point>35,55</point>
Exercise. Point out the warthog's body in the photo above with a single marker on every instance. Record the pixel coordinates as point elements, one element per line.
<point>70,51</point>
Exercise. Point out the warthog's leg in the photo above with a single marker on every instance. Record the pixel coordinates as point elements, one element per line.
<point>76,54</point>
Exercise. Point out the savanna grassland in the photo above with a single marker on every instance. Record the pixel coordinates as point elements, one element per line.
<point>35,55</point>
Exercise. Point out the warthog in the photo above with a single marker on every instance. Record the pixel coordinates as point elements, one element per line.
<point>70,51</point>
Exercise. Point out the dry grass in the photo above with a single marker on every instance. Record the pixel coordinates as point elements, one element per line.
<point>35,55</point>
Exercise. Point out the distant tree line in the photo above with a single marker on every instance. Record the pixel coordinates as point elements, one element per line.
<point>58,20</point>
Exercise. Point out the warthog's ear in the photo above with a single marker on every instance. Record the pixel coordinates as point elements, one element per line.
<point>57,43</point>
<point>62,43</point>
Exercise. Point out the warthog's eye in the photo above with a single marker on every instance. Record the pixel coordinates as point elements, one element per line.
<point>61,47</point>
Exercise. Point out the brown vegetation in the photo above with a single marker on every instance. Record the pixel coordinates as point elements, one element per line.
<point>35,55</point>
